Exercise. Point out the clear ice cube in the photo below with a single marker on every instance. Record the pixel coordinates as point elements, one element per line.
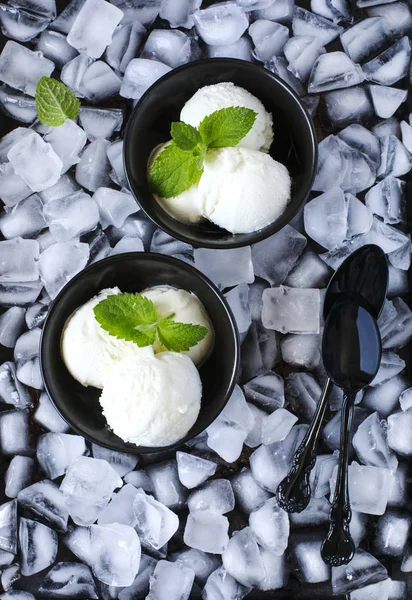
<point>216,496</point>
<point>115,558</point>
<point>54,46</point>
<point>99,82</point>
<point>242,559</point>
<point>125,44</point>
<point>399,432</point>
<point>120,508</point>
<point>92,171</point>
<point>44,499</point>
<point>22,68</point>
<point>48,417</point>
<point>67,141</point>
<point>18,475</point>
<point>69,580</point>
<point>60,262</point>
<point>249,495</point>
<point>226,268</point>
<point>386,199</point>
<point>207,531</point>
<point>308,23</point>
<point>334,70</point>
<point>172,48</point>
<point>364,569</point>
<point>269,525</point>
<point>386,100</point>
<point>56,452</point>
<point>171,581</point>
<point>156,523</point>
<point>93,27</point>
<point>302,51</point>
<point>371,443</point>
<point>193,470</point>
<point>365,38</point>
<point>38,546</point>
<point>392,534</point>
<point>114,206</point>
<point>100,122</point>
<point>391,65</point>
<point>369,488</point>
<point>220,24</point>
<point>276,427</point>
<point>291,310</point>
<point>269,38</point>
<point>139,75</point>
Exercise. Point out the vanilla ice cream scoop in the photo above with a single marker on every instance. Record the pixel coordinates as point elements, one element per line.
<point>243,190</point>
<point>210,98</point>
<point>87,349</point>
<point>186,308</point>
<point>152,399</point>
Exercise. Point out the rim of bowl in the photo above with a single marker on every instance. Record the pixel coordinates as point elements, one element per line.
<point>185,267</point>
<point>260,234</point>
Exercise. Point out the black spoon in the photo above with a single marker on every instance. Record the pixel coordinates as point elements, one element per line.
<point>364,273</point>
<point>351,350</point>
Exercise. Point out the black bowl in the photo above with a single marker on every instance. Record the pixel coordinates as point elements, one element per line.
<point>294,145</point>
<point>133,272</point>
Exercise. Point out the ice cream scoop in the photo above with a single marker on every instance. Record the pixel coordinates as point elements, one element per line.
<point>152,399</point>
<point>210,98</point>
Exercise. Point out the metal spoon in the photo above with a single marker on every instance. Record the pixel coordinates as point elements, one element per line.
<point>352,351</point>
<point>363,273</point>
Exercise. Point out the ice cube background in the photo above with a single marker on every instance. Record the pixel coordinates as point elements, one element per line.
<point>79,521</point>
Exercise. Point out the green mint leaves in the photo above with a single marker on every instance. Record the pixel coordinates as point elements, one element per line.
<point>134,318</point>
<point>55,102</point>
<point>179,165</point>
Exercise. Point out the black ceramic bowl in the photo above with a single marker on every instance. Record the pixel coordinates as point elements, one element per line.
<point>149,125</point>
<point>133,272</point>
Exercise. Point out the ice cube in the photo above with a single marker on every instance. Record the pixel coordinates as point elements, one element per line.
<point>242,49</point>
<point>156,523</point>
<point>269,525</point>
<point>334,10</point>
<point>114,206</point>
<point>307,23</point>
<point>302,392</point>
<point>406,131</point>
<point>307,560</point>
<point>207,531</point>
<point>172,48</point>
<point>330,153</point>
<point>398,15</point>
<point>165,244</point>
<point>128,244</point>
<point>268,38</point>
<point>260,351</point>
<point>392,534</point>
<point>331,431</point>
<point>92,171</point>
<point>301,350</point>
<point>8,526</point>
<point>391,364</point>
<point>171,581</point>
<point>309,272</point>
<point>93,27</point>
<point>201,563</point>
<point>60,262</point>
<point>88,486</point>
<point>369,488</point>
<point>371,444</point>
<point>67,141</point>
<point>99,82</point>
<point>238,300</point>
<point>396,325</point>
<point>124,47</point>
<point>17,105</point>
<point>56,452</point>
<point>384,398</point>
<point>405,399</point>
<point>276,573</point>
<point>302,51</point>
<point>242,560</point>
<point>29,373</point>
<point>166,484</point>
<point>326,216</point>
<point>279,66</point>
<point>179,14</point>
<point>220,24</point>
<point>73,71</point>
<point>77,540</point>
<point>24,220</point>
<point>45,500</point>
<point>122,462</point>
<point>221,585</point>
<point>216,496</point>
<point>269,465</point>
<point>386,100</point>
<point>391,65</point>
<point>279,10</point>
<point>399,432</point>
<point>226,439</point>
<point>120,508</point>
<point>193,470</point>
<point>225,268</point>
<point>364,569</point>
<point>387,237</point>
<point>277,426</point>
<point>321,474</point>
<point>68,580</point>
<point>19,293</point>
<point>347,106</point>
<point>387,127</point>
<point>254,437</point>
<point>395,159</point>
<point>22,68</point>
<point>65,186</point>
<point>115,156</point>
<point>249,495</point>
<point>10,576</point>
<point>139,75</point>
<point>13,188</point>
<point>115,558</point>
<point>332,71</point>
<point>46,8</point>
<point>291,310</point>
<point>15,433</point>
<point>100,122</point>
<point>140,586</point>
<point>18,475</point>
<point>27,345</point>
<point>54,46</point>
<point>139,479</point>
<point>386,199</point>
<point>38,546</point>
<point>363,140</point>
<point>364,39</point>
<point>266,391</point>
<point>11,327</point>
<point>47,416</point>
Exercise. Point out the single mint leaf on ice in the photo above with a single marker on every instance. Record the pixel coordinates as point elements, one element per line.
<point>180,337</point>
<point>130,317</point>
<point>55,102</point>
<point>226,127</point>
<point>185,136</point>
<point>174,171</point>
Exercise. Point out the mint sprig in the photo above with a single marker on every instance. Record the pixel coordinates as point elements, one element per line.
<point>134,318</point>
<point>55,102</point>
<point>179,165</point>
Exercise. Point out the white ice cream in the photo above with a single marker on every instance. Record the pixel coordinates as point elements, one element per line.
<point>243,190</point>
<point>88,350</point>
<point>152,399</point>
<point>186,308</point>
<point>223,95</point>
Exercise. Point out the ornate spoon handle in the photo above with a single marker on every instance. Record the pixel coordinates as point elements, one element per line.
<point>293,494</point>
<point>339,548</point>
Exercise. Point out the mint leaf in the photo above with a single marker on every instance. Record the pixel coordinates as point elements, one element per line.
<point>55,102</point>
<point>180,337</point>
<point>226,127</point>
<point>185,136</point>
<point>130,317</point>
<point>174,171</point>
